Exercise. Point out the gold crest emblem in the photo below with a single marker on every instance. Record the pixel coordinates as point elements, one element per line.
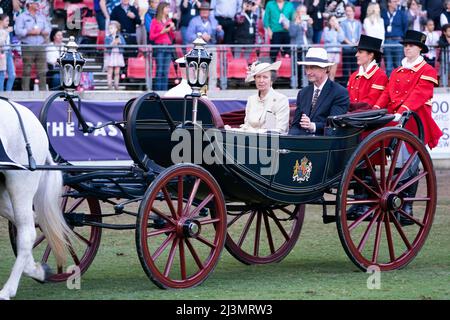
<point>302,171</point>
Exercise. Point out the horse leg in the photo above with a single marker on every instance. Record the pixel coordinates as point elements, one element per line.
<point>6,209</point>
<point>26,235</point>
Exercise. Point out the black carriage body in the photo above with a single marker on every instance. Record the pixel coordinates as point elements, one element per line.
<point>300,169</point>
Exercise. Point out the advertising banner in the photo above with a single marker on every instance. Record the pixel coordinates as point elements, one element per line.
<point>441,114</point>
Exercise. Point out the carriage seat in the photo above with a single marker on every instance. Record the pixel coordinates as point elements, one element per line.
<point>365,119</point>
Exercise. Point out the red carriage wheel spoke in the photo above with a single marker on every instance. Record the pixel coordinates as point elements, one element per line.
<point>360,219</point>
<point>191,197</point>
<point>400,232</point>
<point>182,260</point>
<point>382,166</point>
<point>162,215</point>
<point>229,224</point>
<point>194,254</point>
<point>47,251</point>
<point>404,214</point>
<point>171,257</point>
<point>86,241</point>
<point>366,234</point>
<point>387,225</point>
<point>286,233</point>
<point>73,254</point>
<point>39,241</point>
<point>160,231</point>
<point>205,241</point>
<point>269,234</point>
<point>202,204</point>
<point>75,205</point>
<point>208,221</point>
<point>367,187</point>
<point>417,199</point>
<point>412,181</point>
<point>246,228</point>
<point>372,173</point>
<point>180,196</point>
<point>404,169</point>
<point>163,246</point>
<point>376,245</point>
<point>169,203</point>
<point>257,234</point>
<point>280,227</point>
<point>368,201</point>
<point>394,161</point>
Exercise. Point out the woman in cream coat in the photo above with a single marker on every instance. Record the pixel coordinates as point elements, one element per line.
<point>267,110</point>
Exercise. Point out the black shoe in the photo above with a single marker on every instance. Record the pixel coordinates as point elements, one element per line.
<point>356,211</point>
<point>409,192</point>
<point>408,209</point>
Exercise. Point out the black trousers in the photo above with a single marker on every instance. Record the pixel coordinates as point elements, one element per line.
<point>349,59</point>
<point>278,38</point>
<point>228,29</point>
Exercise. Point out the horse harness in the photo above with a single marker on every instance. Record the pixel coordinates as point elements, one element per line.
<point>31,161</point>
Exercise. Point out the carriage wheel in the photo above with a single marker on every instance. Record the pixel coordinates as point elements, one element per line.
<point>82,251</point>
<point>384,235</point>
<point>179,243</point>
<point>263,235</point>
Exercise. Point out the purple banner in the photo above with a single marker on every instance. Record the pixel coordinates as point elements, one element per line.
<point>103,144</point>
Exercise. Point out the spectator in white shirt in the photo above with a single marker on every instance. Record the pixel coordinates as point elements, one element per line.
<point>373,23</point>
<point>431,42</point>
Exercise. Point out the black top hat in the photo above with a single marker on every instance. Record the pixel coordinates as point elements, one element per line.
<point>369,44</point>
<point>417,38</point>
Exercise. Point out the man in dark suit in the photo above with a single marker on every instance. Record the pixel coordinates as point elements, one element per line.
<point>321,99</point>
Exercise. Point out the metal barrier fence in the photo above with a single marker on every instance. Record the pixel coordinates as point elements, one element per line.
<point>153,67</point>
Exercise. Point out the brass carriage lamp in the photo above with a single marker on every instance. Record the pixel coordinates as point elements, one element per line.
<point>197,70</point>
<point>71,66</point>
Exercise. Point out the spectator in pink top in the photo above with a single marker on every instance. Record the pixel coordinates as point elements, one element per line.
<point>162,34</point>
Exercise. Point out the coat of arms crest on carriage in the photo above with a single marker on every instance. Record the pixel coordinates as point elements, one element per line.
<point>302,171</point>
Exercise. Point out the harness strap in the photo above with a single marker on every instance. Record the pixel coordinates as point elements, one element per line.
<point>31,161</point>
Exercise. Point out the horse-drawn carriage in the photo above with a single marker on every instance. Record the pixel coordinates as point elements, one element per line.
<point>195,187</point>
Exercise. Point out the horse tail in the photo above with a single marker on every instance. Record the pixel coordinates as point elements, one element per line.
<point>48,211</point>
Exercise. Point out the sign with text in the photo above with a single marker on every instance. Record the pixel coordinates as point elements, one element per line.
<point>441,114</point>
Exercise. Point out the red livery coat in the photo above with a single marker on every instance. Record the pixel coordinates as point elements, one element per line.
<point>412,89</point>
<point>368,86</point>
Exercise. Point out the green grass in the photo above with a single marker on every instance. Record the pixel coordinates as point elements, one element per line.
<point>317,268</point>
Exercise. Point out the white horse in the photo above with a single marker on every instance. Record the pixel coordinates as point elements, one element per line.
<point>29,197</point>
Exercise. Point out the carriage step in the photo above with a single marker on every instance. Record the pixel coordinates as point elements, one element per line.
<point>328,219</point>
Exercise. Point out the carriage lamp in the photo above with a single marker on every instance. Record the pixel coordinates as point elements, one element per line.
<point>197,70</point>
<point>71,64</point>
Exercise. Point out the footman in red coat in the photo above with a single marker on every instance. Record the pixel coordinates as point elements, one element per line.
<point>411,88</point>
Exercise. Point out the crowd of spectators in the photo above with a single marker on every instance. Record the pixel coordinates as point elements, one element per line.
<point>332,23</point>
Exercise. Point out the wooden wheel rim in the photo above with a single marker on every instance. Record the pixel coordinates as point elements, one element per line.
<point>385,220</point>
<point>179,241</point>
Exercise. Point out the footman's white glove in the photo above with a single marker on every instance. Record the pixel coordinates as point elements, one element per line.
<point>397,117</point>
